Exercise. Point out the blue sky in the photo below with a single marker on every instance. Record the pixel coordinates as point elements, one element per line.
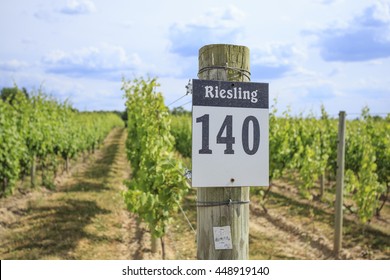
<point>331,52</point>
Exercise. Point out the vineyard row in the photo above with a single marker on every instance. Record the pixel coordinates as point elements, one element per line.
<point>38,132</point>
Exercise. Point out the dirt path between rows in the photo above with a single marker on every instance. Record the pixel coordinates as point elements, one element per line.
<point>84,218</point>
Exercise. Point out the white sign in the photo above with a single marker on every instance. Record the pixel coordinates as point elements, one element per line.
<point>222,238</point>
<point>230,134</point>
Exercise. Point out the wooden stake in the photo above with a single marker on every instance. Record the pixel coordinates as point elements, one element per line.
<point>338,237</point>
<point>153,245</point>
<point>5,184</point>
<point>67,164</point>
<point>33,171</point>
<point>322,185</point>
<point>226,60</point>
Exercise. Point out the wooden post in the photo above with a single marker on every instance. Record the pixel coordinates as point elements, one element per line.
<point>5,184</point>
<point>33,171</point>
<point>322,185</point>
<point>338,237</point>
<point>67,164</point>
<point>153,245</point>
<point>216,62</point>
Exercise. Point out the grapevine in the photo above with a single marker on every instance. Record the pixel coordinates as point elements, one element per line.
<point>158,184</point>
<point>38,130</point>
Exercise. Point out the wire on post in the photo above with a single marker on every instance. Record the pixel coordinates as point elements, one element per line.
<point>244,72</point>
<point>220,203</point>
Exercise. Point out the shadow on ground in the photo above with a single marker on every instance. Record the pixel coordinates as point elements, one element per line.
<point>53,226</point>
<point>54,231</point>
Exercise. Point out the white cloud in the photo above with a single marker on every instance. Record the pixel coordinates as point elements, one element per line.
<point>377,14</point>
<point>13,65</point>
<point>43,15</point>
<point>274,60</point>
<point>91,61</point>
<point>366,36</point>
<point>77,7</point>
<point>222,25</point>
<point>221,18</point>
<point>326,2</point>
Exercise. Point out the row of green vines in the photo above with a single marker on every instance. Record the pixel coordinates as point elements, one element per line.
<point>37,129</point>
<point>157,184</point>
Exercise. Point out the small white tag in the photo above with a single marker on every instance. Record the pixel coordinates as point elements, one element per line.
<point>222,238</point>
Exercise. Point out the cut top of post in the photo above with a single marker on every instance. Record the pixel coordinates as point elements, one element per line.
<point>223,62</point>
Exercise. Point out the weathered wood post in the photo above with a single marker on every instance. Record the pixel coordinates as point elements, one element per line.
<point>33,171</point>
<point>224,63</point>
<point>338,236</point>
<point>322,185</point>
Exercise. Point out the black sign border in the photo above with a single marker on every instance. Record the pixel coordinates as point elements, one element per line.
<point>199,98</point>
